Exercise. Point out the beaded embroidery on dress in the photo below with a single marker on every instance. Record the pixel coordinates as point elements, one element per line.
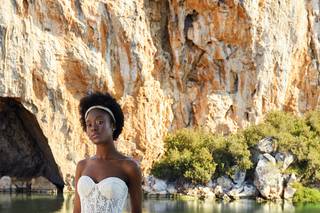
<point>107,196</point>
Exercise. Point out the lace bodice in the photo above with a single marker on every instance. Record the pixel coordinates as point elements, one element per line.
<point>107,196</point>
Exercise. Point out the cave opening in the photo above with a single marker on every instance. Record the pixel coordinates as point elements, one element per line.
<point>24,150</point>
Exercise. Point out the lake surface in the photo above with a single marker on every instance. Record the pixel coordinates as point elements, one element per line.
<point>39,203</point>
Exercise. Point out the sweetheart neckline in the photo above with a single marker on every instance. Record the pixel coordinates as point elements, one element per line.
<point>104,179</point>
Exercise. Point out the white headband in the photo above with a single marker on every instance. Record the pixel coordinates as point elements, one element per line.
<point>103,108</point>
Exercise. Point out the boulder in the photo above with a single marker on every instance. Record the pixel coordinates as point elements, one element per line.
<point>154,185</point>
<point>225,183</point>
<point>21,184</point>
<point>149,180</point>
<point>269,158</point>
<point>159,185</point>
<point>40,184</point>
<point>5,183</point>
<point>268,178</point>
<point>238,176</point>
<point>234,192</point>
<point>289,190</point>
<point>218,191</point>
<point>248,191</point>
<point>266,145</point>
<point>205,193</point>
<point>192,192</point>
<point>147,189</point>
<point>284,160</point>
<point>226,198</point>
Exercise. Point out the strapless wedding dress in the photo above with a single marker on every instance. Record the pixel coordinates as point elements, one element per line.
<point>107,196</point>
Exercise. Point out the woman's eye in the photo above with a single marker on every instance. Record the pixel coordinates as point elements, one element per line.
<point>100,122</point>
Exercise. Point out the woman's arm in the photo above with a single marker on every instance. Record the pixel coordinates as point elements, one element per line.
<point>76,202</point>
<point>135,187</point>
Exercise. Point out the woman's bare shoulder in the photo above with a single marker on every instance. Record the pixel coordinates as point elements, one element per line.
<point>131,165</point>
<point>81,165</point>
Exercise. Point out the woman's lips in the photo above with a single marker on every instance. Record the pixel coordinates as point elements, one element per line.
<point>94,136</point>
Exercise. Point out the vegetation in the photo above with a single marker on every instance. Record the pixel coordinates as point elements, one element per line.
<point>305,194</point>
<point>197,156</point>
<point>187,157</point>
<point>299,136</point>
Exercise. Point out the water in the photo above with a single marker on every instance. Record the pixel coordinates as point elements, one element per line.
<point>22,203</point>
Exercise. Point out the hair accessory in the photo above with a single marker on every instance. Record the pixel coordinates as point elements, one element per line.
<point>100,107</point>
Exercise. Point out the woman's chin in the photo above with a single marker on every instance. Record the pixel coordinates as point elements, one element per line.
<point>96,141</point>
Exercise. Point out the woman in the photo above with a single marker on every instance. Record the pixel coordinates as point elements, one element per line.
<point>104,180</point>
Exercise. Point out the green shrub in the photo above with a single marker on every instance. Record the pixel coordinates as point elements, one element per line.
<point>305,194</point>
<point>228,152</point>
<point>195,155</point>
<point>187,157</point>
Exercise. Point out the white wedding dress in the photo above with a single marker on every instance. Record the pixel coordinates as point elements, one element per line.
<point>107,196</point>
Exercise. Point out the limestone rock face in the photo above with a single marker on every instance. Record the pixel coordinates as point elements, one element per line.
<point>217,64</point>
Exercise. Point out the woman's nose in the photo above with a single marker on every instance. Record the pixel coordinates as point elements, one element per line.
<point>94,127</point>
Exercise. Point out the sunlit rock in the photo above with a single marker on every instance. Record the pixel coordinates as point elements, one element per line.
<point>225,183</point>
<point>284,160</point>
<point>268,178</point>
<point>266,145</point>
<point>5,183</point>
<point>238,176</point>
<point>289,190</point>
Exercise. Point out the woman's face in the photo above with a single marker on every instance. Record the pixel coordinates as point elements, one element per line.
<point>99,126</point>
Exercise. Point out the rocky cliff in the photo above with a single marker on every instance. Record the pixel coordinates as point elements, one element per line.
<point>218,64</point>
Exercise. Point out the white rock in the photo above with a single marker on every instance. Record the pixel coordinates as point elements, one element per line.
<point>234,192</point>
<point>284,159</point>
<point>218,191</point>
<point>239,176</point>
<point>160,185</point>
<point>269,158</point>
<point>42,183</point>
<point>5,183</point>
<point>147,188</point>
<point>266,145</point>
<point>205,193</point>
<point>248,191</point>
<point>289,191</point>
<point>226,198</point>
<point>225,183</point>
<point>268,178</point>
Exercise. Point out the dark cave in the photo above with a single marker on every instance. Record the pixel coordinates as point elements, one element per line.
<point>24,150</point>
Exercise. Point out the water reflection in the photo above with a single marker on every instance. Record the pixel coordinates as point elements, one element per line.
<point>17,203</point>
<point>168,206</point>
<point>30,203</point>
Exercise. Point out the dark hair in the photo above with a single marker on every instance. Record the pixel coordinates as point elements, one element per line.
<point>106,100</point>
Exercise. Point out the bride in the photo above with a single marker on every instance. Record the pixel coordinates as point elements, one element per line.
<point>104,180</point>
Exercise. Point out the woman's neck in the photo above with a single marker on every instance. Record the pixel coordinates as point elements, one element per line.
<point>106,151</point>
